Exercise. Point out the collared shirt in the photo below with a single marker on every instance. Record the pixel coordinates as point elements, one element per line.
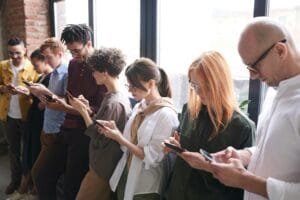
<point>276,156</point>
<point>53,119</point>
<point>81,81</point>
<point>27,73</point>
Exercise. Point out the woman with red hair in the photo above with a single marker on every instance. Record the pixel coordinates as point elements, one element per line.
<point>211,121</point>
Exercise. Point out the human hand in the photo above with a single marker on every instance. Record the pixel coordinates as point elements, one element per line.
<point>8,89</point>
<point>85,102</point>
<point>109,129</point>
<point>174,140</point>
<point>22,90</point>
<point>78,104</point>
<point>226,154</point>
<point>39,90</point>
<point>230,173</point>
<point>195,160</point>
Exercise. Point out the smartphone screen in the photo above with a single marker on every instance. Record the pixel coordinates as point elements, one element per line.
<point>174,147</point>
<point>206,155</point>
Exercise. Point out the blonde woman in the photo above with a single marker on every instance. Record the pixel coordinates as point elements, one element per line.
<point>211,121</point>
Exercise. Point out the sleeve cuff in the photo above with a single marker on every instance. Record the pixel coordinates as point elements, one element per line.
<point>251,149</point>
<point>275,189</point>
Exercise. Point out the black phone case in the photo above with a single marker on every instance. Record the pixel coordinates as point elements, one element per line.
<point>173,147</point>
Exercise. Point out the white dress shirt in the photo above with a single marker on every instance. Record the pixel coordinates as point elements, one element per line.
<point>277,154</point>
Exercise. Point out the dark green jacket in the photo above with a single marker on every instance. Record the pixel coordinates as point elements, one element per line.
<point>188,183</point>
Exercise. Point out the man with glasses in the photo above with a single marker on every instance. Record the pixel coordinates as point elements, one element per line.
<point>73,143</point>
<point>273,170</point>
<point>14,103</point>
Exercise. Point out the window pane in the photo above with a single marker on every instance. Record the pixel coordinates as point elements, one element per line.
<point>288,13</point>
<point>188,29</point>
<point>66,12</point>
<point>118,27</point>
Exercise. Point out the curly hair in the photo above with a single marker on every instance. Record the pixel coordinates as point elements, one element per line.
<point>110,60</point>
<point>76,33</point>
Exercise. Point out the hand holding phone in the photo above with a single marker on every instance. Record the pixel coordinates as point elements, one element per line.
<point>99,124</point>
<point>69,95</point>
<point>27,83</point>
<point>174,147</point>
<point>49,98</point>
<point>208,157</point>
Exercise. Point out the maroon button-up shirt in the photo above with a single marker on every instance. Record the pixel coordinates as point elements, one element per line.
<point>81,81</point>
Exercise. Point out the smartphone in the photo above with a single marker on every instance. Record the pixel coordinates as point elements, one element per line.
<point>27,83</point>
<point>49,98</point>
<point>99,124</point>
<point>69,95</point>
<point>174,147</point>
<point>206,155</point>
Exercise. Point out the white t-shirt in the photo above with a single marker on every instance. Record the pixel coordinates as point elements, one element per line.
<point>14,106</point>
<point>277,154</point>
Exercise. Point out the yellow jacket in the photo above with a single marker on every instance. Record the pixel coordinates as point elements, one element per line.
<point>6,74</point>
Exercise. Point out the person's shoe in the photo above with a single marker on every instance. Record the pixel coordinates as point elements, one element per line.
<point>11,188</point>
<point>17,196</point>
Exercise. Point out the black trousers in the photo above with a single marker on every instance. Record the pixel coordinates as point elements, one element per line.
<point>14,133</point>
<point>68,155</point>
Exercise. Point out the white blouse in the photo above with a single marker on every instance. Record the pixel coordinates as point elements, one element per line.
<point>144,176</point>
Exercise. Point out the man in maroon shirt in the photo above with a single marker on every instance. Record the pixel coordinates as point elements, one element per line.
<point>70,155</point>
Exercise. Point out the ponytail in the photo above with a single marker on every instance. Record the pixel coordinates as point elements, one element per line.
<point>164,87</point>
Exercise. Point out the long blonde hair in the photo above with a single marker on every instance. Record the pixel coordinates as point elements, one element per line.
<point>214,78</point>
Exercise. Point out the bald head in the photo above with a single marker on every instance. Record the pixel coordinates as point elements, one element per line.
<point>268,50</point>
<point>260,34</point>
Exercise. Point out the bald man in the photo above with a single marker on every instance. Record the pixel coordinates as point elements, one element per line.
<point>273,166</point>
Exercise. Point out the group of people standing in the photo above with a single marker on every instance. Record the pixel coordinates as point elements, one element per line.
<point>78,124</point>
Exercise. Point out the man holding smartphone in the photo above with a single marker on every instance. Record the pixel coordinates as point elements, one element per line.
<point>273,172</point>
<point>71,153</point>
<point>54,52</point>
<point>14,103</point>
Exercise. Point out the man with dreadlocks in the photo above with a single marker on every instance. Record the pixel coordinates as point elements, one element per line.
<point>69,154</point>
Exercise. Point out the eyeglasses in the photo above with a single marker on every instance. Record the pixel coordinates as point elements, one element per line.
<point>253,67</point>
<point>76,51</point>
<point>195,86</point>
<point>130,87</point>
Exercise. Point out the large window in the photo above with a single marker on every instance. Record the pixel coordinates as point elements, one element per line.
<point>288,13</point>
<point>69,12</point>
<point>188,29</point>
<point>185,29</point>
<point>118,27</point>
